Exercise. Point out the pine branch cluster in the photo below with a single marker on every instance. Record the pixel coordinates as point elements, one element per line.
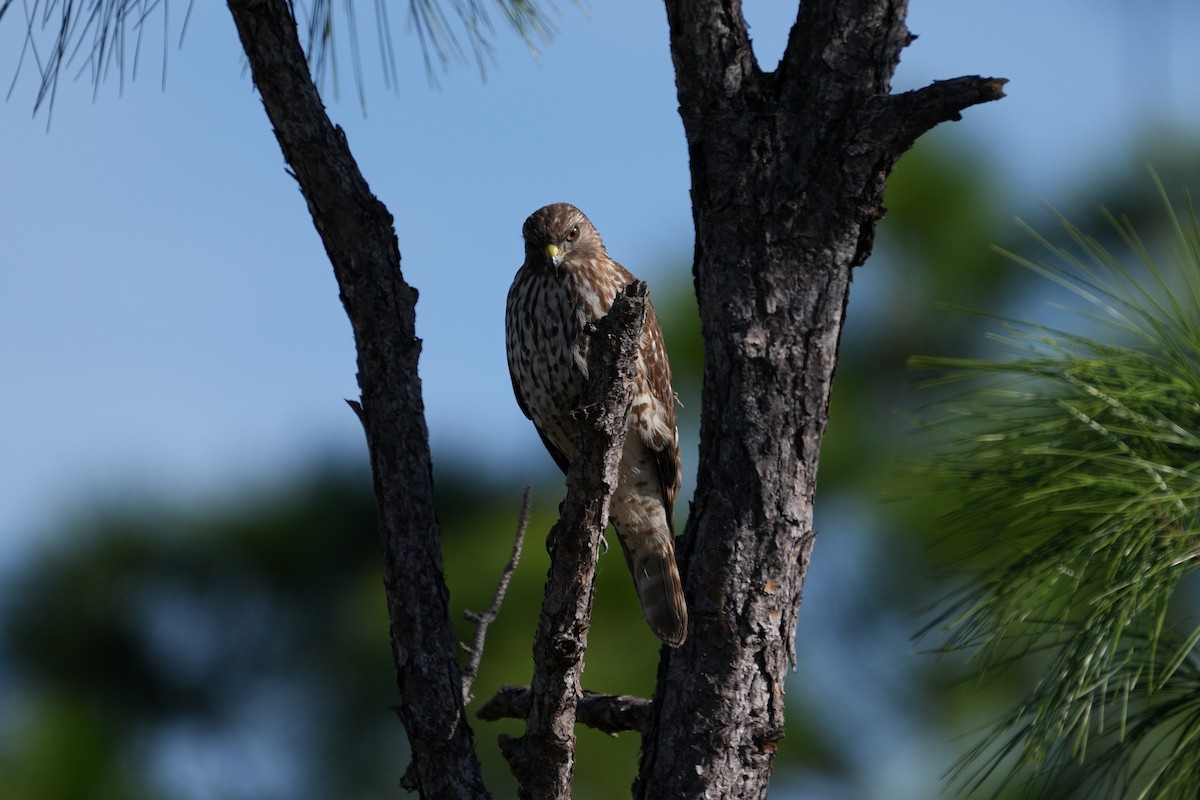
<point>1074,473</point>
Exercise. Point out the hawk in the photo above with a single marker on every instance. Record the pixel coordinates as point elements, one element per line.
<point>567,281</point>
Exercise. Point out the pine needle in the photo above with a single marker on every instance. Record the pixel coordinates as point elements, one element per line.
<point>1074,471</point>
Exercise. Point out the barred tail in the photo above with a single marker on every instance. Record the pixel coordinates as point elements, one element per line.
<point>660,591</point>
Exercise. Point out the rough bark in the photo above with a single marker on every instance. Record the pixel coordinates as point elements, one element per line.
<point>543,760</point>
<point>788,172</point>
<point>360,241</point>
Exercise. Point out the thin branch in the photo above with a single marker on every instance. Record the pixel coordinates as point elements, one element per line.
<point>609,713</point>
<point>543,759</point>
<point>484,620</point>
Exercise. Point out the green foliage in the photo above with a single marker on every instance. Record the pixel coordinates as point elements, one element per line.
<point>1073,472</point>
<point>106,38</point>
<point>441,36</point>
<point>225,633</point>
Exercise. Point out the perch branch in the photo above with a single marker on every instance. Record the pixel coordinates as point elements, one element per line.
<point>543,759</point>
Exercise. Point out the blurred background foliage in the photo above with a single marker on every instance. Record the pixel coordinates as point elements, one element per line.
<point>240,649</point>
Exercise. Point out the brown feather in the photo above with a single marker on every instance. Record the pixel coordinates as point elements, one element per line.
<point>568,281</point>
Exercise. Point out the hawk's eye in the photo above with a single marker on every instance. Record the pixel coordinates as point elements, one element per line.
<point>573,234</point>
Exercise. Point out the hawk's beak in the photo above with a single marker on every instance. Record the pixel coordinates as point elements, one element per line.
<point>554,254</point>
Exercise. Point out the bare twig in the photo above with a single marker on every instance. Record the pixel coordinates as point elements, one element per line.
<point>482,621</point>
<point>357,408</point>
<point>543,760</point>
<point>609,713</point>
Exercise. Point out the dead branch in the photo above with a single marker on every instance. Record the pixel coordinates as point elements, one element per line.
<point>484,620</point>
<point>610,713</point>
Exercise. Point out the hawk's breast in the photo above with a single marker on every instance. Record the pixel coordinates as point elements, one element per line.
<point>546,352</point>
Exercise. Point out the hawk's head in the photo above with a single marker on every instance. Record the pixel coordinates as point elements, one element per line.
<point>560,234</point>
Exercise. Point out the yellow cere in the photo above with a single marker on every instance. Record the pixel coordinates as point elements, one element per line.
<point>552,250</point>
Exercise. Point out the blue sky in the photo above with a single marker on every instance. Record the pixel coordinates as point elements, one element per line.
<point>168,321</point>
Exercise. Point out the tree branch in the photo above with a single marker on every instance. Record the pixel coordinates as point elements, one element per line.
<point>609,713</point>
<point>911,114</point>
<point>356,230</point>
<point>483,621</point>
<point>543,759</point>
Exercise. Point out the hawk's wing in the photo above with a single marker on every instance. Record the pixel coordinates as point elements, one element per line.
<point>557,454</point>
<point>663,439</point>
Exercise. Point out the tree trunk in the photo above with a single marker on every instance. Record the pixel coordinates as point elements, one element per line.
<point>788,171</point>
<point>360,241</point>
